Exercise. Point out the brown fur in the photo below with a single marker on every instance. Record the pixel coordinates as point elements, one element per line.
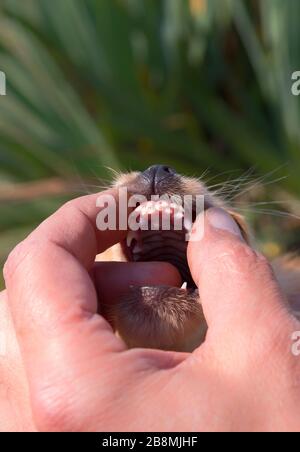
<point>171,318</point>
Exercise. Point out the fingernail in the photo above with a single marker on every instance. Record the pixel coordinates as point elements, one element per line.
<point>219,219</point>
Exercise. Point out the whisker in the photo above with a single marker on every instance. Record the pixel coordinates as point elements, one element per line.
<point>204,174</point>
<point>220,174</point>
<point>256,184</point>
<point>262,202</point>
<point>235,183</point>
<point>270,212</point>
<point>235,187</point>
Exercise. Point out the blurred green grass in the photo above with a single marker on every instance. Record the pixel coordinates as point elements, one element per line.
<point>194,84</point>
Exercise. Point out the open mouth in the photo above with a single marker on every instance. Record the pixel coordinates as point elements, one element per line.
<point>159,232</point>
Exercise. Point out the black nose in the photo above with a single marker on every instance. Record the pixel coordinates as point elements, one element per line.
<point>158,173</point>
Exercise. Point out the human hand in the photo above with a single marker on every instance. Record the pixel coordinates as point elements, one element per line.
<point>82,377</point>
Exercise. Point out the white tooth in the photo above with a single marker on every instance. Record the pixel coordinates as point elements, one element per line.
<point>131,236</point>
<point>184,285</point>
<point>178,215</point>
<point>188,224</point>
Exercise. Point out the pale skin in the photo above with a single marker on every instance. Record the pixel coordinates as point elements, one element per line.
<point>65,370</point>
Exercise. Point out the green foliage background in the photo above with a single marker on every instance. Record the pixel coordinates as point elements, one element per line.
<point>92,84</point>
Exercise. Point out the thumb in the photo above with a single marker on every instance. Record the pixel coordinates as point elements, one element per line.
<point>236,284</point>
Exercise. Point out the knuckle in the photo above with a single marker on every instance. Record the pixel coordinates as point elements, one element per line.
<point>246,257</point>
<point>13,261</point>
<point>69,205</point>
<point>24,252</point>
<point>242,259</point>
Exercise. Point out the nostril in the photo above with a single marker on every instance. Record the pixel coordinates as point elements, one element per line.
<point>163,172</point>
<point>167,170</point>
